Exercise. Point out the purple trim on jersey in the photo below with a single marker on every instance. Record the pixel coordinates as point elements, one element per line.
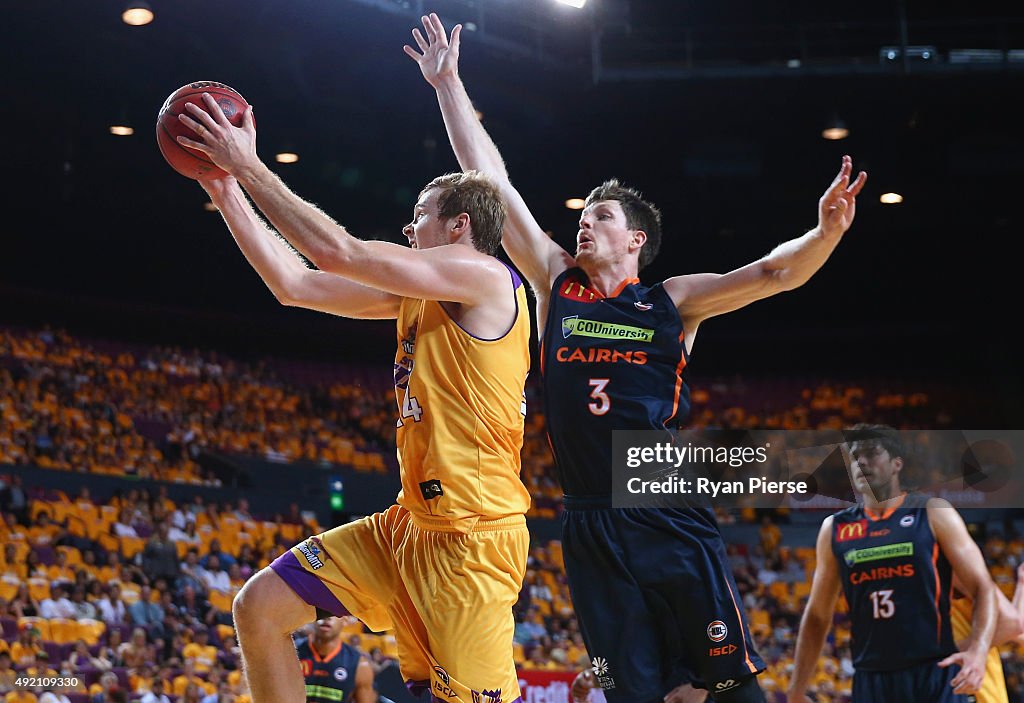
<point>308,587</point>
<point>516,282</point>
<point>416,688</point>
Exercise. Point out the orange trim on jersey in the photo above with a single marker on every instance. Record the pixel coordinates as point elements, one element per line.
<point>743,632</point>
<point>542,364</point>
<point>679,377</point>
<point>332,655</point>
<point>888,511</point>
<point>938,592</point>
<point>622,287</point>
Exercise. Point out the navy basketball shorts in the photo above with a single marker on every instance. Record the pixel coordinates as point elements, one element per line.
<point>656,601</point>
<point>922,683</point>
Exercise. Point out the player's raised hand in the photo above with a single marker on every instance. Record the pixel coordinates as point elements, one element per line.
<point>440,57</point>
<point>839,203</point>
<point>232,148</point>
<point>972,671</point>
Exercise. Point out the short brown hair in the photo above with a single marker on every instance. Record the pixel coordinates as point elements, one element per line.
<point>475,194</point>
<point>639,213</point>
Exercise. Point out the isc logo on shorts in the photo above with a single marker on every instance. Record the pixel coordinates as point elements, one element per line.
<point>721,651</point>
<point>717,631</point>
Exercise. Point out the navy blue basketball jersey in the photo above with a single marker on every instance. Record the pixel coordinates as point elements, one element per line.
<point>609,363</point>
<point>329,679</point>
<point>897,583</point>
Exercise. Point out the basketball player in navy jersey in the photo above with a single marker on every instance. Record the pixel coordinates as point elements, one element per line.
<point>894,556</point>
<point>335,672</point>
<point>652,589</point>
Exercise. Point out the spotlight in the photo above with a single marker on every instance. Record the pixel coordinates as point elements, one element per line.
<point>121,130</point>
<point>891,198</point>
<point>835,130</point>
<point>137,13</point>
<point>574,3</point>
<point>575,203</point>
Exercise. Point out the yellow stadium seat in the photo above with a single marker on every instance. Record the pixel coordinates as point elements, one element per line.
<point>72,554</point>
<point>221,601</point>
<point>63,630</point>
<point>130,546</point>
<point>91,630</point>
<point>39,588</point>
<point>8,589</point>
<point>225,631</point>
<point>779,589</point>
<point>107,541</point>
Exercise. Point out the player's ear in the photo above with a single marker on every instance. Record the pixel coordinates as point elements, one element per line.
<point>898,464</point>
<point>460,224</point>
<point>638,239</point>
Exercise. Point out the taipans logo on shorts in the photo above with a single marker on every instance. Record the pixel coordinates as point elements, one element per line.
<point>906,521</point>
<point>311,551</point>
<point>340,674</point>
<point>717,631</point>
<point>487,696</point>
<point>582,327</point>
<point>726,685</point>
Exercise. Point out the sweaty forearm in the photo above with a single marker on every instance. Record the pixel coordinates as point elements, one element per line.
<point>983,621</point>
<point>313,233</point>
<point>473,147</point>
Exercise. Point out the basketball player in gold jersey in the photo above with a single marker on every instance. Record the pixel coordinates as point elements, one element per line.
<point>443,566</point>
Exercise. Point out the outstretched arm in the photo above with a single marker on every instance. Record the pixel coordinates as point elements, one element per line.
<point>451,273</point>
<point>788,266</point>
<point>530,248</point>
<point>969,566</point>
<point>817,617</point>
<point>287,277</point>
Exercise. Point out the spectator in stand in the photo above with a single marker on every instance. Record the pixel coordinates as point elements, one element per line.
<point>214,577</point>
<point>242,511</point>
<point>83,608</point>
<point>14,500</point>
<point>57,605</point>
<point>112,609</point>
<point>145,613</point>
<point>187,678</point>
<point>80,658</point>
<point>124,527</point>
<point>27,646</point>
<point>101,692</point>
<point>224,694</point>
<point>160,556</point>
<point>23,604</point>
<point>137,652</point>
<point>225,559</point>
<point>7,673</point>
<point>187,534</point>
<point>53,697</point>
<point>191,573</point>
<point>158,694</point>
<point>200,652</point>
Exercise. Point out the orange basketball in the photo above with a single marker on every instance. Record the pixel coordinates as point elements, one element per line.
<point>186,161</point>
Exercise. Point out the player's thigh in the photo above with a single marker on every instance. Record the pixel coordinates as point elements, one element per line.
<point>347,570</point>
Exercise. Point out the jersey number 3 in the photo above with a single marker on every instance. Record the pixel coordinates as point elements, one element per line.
<point>602,403</point>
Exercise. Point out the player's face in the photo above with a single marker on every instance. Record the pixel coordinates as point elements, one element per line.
<point>427,229</point>
<point>327,628</point>
<point>872,467</point>
<point>604,235</point>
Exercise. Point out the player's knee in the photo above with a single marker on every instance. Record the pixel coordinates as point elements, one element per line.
<point>743,690</point>
<point>263,602</point>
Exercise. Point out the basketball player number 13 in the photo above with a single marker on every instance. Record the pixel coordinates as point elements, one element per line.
<point>602,403</point>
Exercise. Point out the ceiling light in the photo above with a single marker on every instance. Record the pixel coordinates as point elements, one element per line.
<point>574,3</point>
<point>121,130</point>
<point>891,198</point>
<point>575,203</point>
<point>835,130</point>
<point>286,157</point>
<point>137,14</point>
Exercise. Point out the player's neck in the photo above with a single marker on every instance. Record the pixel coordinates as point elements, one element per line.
<point>325,647</point>
<point>607,279</point>
<point>886,497</point>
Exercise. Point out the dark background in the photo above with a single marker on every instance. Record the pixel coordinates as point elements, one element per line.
<point>697,104</point>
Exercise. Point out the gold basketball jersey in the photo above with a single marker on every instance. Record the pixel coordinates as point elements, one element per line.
<point>461,408</point>
<point>993,686</point>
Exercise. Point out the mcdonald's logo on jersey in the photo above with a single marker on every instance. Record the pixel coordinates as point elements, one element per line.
<point>848,531</point>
